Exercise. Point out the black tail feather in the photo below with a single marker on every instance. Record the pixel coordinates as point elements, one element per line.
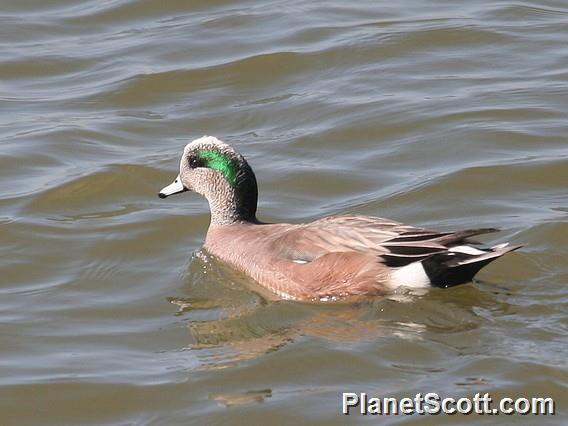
<point>461,236</point>
<point>450,268</point>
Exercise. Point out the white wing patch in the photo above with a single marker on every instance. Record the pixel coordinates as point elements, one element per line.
<point>467,250</point>
<point>412,275</point>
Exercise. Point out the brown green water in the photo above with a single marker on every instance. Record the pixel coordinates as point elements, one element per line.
<point>440,114</point>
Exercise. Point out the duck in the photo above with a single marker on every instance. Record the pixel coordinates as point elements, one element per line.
<point>332,258</point>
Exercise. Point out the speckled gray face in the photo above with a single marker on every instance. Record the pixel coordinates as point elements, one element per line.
<point>215,170</point>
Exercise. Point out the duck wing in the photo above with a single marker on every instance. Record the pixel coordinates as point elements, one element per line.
<point>394,243</point>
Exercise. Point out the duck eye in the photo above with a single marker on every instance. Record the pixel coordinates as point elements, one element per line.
<point>193,162</point>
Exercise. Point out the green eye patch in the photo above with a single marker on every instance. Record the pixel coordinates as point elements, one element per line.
<point>220,162</point>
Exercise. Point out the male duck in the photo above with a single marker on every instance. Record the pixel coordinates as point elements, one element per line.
<point>331,258</point>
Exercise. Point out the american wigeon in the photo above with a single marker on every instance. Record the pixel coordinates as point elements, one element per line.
<point>328,259</point>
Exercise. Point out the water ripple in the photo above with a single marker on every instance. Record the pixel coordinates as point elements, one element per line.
<point>442,115</point>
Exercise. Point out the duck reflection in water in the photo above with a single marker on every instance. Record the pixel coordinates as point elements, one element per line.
<point>230,322</point>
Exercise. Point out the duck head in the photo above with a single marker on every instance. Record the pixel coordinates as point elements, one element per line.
<point>217,171</point>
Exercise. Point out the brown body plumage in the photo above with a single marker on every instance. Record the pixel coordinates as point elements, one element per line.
<point>328,259</point>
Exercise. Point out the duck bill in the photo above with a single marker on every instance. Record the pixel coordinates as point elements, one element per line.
<point>173,188</point>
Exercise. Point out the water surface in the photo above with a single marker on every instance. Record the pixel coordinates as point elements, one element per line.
<point>436,114</point>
